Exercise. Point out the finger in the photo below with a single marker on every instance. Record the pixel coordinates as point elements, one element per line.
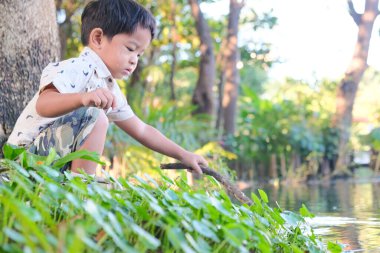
<point>96,101</point>
<point>204,162</point>
<point>103,99</point>
<point>109,100</point>
<point>113,101</point>
<point>197,169</point>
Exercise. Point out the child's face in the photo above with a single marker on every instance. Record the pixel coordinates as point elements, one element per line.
<point>122,52</point>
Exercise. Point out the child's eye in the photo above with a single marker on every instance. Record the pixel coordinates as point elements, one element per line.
<point>130,49</point>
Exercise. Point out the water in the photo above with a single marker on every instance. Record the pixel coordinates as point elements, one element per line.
<point>347,211</point>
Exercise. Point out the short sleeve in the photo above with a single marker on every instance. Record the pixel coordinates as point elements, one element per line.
<point>121,113</point>
<point>69,76</point>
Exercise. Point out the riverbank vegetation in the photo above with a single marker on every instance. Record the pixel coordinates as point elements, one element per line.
<point>47,211</point>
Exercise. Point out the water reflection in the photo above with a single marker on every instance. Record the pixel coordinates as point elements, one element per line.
<point>347,211</point>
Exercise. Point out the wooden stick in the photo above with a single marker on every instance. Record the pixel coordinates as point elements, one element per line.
<point>231,188</point>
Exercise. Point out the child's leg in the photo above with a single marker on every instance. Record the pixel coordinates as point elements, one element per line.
<point>70,132</point>
<point>94,142</point>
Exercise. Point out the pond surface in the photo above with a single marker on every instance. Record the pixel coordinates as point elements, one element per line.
<point>347,211</point>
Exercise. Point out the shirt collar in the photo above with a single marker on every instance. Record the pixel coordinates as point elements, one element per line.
<point>101,69</point>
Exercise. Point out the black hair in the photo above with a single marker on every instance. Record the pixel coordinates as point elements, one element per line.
<point>114,17</point>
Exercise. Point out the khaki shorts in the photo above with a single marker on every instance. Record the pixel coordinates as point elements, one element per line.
<point>66,134</point>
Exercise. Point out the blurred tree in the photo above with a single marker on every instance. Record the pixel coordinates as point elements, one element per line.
<point>68,19</point>
<point>174,39</point>
<point>231,57</point>
<point>29,41</point>
<point>349,85</point>
<point>254,56</point>
<point>203,95</point>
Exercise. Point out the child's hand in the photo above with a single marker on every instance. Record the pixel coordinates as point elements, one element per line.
<point>100,98</point>
<point>194,161</point>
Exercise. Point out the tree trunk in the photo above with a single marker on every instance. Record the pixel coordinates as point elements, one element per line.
<point>349,85</point>
<point>296,163</point>
<point>273,167</point>
<point>219,112</point>
<point>29,41</point>
<point>220,66</point>
<point>326,170</point>
<point>261,170</point>
<point>203,95</point>
<point>231,72</point>
<point>284,173</point>
<point>174,39</point>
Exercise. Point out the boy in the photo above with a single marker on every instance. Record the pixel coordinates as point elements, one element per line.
<point>78,97</point>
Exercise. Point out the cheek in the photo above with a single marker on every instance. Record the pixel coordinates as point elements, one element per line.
<point>123,56</point>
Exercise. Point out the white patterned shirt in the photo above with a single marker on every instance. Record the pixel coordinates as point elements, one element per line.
<point>83,74</point>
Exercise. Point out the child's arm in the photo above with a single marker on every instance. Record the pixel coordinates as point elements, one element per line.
<point>52,103</point>
<point>155,140</point>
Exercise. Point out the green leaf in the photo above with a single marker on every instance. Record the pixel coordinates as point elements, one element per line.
<point>276,215</point>
<point>170,195</point>
<point>220,207</point>
<point>151,180</point>
<point>197,204</point>
<point>51,157</point>
<point>296,249</point>
<point>157,208</point>
<point>177,239</point>
<point>142,181</point>
<point>80,154</point>
<point>73,199</point>
<point>166,179</point>
<point>213,181</point>
<point>14,235</point>
<point>51,172</point>
<point>291,218</point>
<point>256,200</point>
<point>11,152</point>
<point>19,168</point>
<point>175,236</point>
<point>204,230</point>
<point>235,233</point>
<point>199,245</point>
<point>149,239</point>
<point>182,184</point>
<point>263,196</point>
<point>305,212</point>
<point>334,247</point>
<point>77,244</point>
<point>36,176</point>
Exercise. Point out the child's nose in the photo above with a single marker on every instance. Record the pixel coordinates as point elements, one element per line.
<point>133,60</point>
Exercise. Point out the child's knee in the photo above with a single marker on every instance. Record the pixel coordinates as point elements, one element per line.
<point>102,121</point>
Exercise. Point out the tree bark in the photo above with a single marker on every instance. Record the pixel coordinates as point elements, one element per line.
<point>29,41</point>
<point>203,95</point>
<point>283,170</point>
<point>349,85</point>
<point>174,39</point>
<point>273,167</point>
<point>220,63</point>
<point>231,56</point>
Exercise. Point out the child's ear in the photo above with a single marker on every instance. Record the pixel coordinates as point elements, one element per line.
<point>96,37</point>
